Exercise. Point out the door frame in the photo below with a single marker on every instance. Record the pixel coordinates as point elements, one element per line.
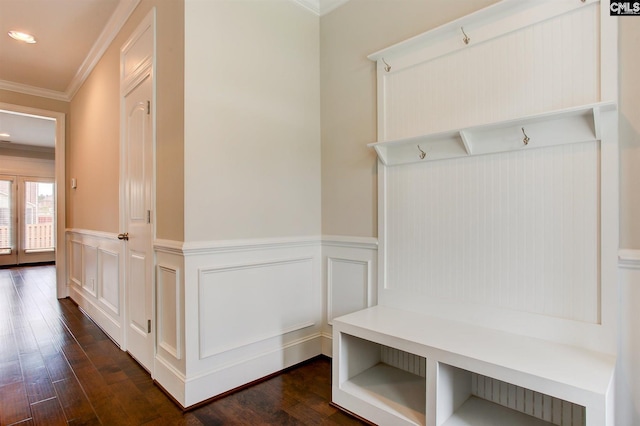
<point>60,189</point>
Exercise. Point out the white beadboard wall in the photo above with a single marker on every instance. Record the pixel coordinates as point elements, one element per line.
<point>544,407</point>
<point>516,230</point>
<point>543,67</point>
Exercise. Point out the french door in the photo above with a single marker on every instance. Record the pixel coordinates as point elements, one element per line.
<point>27,220</point>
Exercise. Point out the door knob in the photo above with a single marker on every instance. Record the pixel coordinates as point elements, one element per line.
<point>124,236</point>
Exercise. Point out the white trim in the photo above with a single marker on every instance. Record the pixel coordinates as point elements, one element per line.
<point>120,16</point>
<point>124,9</point>
<point>60,188</point>
<point>321,7</point>
<point>629,259</point>
<point>169,246</point>
<point>33,91</point>
<point>238,372</point>
<point>221,246</point>
<point>92,233</point>
<point>368,243</point>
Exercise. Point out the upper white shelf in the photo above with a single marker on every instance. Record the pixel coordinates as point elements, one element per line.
<point>482,26</point>
<point>570,125</point>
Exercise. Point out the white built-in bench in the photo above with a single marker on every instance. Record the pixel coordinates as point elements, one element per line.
<point>430,379</point>
<point>497,195</point>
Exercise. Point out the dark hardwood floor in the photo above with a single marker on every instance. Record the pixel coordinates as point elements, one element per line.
<point>57,367</point>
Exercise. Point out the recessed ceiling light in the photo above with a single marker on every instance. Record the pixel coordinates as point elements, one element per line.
<point>17,35</point>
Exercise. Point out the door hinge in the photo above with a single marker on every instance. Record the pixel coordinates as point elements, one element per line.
<point>148,107</point>
<point>148,216</point>
<point>148,326</point>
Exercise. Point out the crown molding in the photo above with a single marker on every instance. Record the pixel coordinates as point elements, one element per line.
<point>124,9</point>
<point>321,7</point>
<point>32,90</point>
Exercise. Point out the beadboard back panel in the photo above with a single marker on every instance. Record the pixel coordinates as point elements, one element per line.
<point>518,230</point>
<point>541,406</point>
<point>549,65</point>
<point>523,240</point>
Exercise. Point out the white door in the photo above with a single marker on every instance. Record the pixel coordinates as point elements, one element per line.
<point>138,184</point>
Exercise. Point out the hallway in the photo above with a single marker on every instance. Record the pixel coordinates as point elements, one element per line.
<point>57,367</point>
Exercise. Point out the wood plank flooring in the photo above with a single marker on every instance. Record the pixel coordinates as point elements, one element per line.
<point>57,367</point>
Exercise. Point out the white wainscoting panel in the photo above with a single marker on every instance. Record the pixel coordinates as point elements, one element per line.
<point>75,259</point>
<point>109,273</point>
<point>349,285</point>
<point>628,368</point>
<point>516,230</point>
<point>231,312</point>
<point>548,66</point>
<point>350,278</point>
<point>170,359</point>
<point>169,310</point>
<point>94,278</point>
<point>243,304</point>
<point>90,269</point>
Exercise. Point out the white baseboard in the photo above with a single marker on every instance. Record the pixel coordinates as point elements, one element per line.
<point>229,377</point>
<point>106,323</point>
<point>327,344</point>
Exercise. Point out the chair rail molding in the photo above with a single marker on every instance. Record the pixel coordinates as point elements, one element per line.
<point>629,258</point>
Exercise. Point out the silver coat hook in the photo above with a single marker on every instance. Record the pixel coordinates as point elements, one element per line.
<point>466,38</point>
<point>526,138</point>
<point>387,67</point>
<point>422,153</point>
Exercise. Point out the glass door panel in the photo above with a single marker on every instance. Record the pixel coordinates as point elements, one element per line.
<point>37,213</point>
<point>8,252</point>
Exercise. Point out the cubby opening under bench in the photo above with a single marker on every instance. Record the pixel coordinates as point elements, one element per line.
<point>396,367</point>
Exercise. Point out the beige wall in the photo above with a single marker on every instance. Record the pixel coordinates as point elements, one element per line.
<point>252,120</point>
<point>348,80</point>
<point>15,98</point>
<point>629,128</point>
<point>94,143</point>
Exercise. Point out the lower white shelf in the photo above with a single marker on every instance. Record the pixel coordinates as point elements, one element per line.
<point>391,389</point>
<point>480,412</point>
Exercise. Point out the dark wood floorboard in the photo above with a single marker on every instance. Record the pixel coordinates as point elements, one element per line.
<point>58,368</point>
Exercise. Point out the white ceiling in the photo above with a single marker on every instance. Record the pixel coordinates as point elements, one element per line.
<point>71,37</point>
